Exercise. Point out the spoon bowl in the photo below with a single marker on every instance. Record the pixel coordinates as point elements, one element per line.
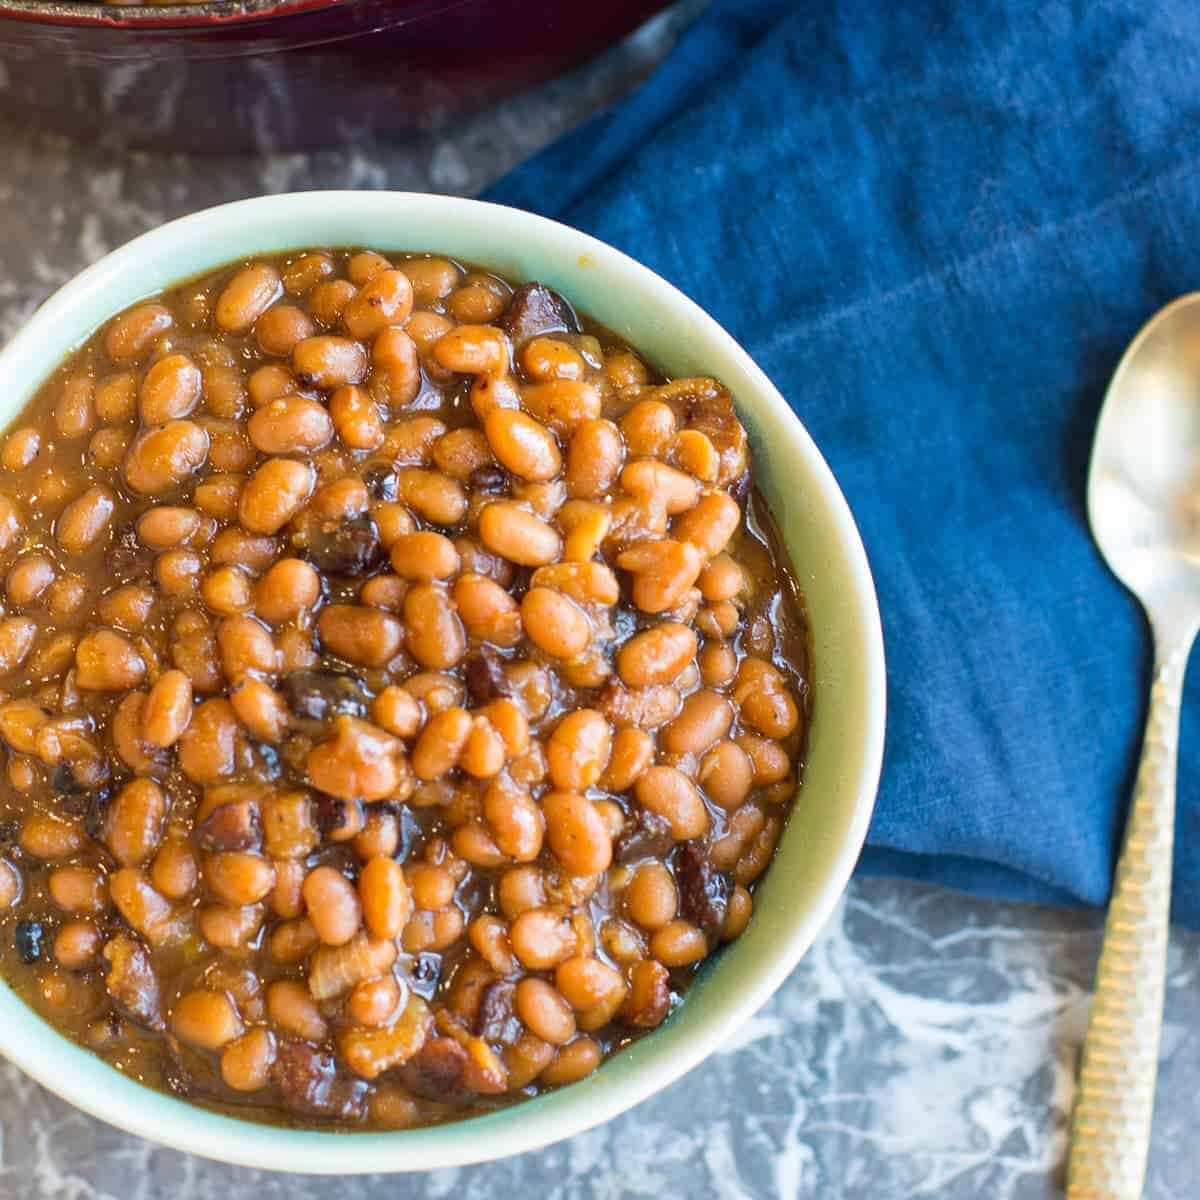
<point>1144,482</point>
<point>1144,508</point>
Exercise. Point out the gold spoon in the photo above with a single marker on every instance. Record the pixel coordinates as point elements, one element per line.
<point>1144,509</point>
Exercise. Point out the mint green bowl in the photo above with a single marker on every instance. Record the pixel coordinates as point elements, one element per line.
<point>827,828</point>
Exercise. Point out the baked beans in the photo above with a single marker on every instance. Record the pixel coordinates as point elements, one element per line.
<point>404,689</point>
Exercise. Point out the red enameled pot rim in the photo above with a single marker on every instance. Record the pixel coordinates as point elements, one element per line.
<point>223,13</point>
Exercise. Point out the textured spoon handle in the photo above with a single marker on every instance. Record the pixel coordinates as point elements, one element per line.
<point>1110,1134</point>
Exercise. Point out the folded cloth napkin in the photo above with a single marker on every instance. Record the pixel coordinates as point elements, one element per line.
<point>936,225</point>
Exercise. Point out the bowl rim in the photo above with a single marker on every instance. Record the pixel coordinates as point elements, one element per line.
<point>87,1082</point>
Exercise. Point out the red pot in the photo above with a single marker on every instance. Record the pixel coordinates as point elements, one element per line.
<point>265,75</point>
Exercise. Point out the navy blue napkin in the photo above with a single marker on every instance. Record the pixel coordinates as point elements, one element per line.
<point>936,225</point>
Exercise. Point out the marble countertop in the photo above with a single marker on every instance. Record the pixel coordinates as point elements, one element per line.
<point>925,1047</point>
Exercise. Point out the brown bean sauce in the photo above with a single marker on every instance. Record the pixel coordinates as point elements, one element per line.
<point>404,689</point>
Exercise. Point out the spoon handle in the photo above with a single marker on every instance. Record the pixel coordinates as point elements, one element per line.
<point>1110,1134</point>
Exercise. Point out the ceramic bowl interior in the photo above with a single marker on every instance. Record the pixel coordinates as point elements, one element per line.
<point>827,827</point>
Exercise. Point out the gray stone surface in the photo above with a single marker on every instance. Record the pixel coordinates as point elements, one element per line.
<point>925,1047</point>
